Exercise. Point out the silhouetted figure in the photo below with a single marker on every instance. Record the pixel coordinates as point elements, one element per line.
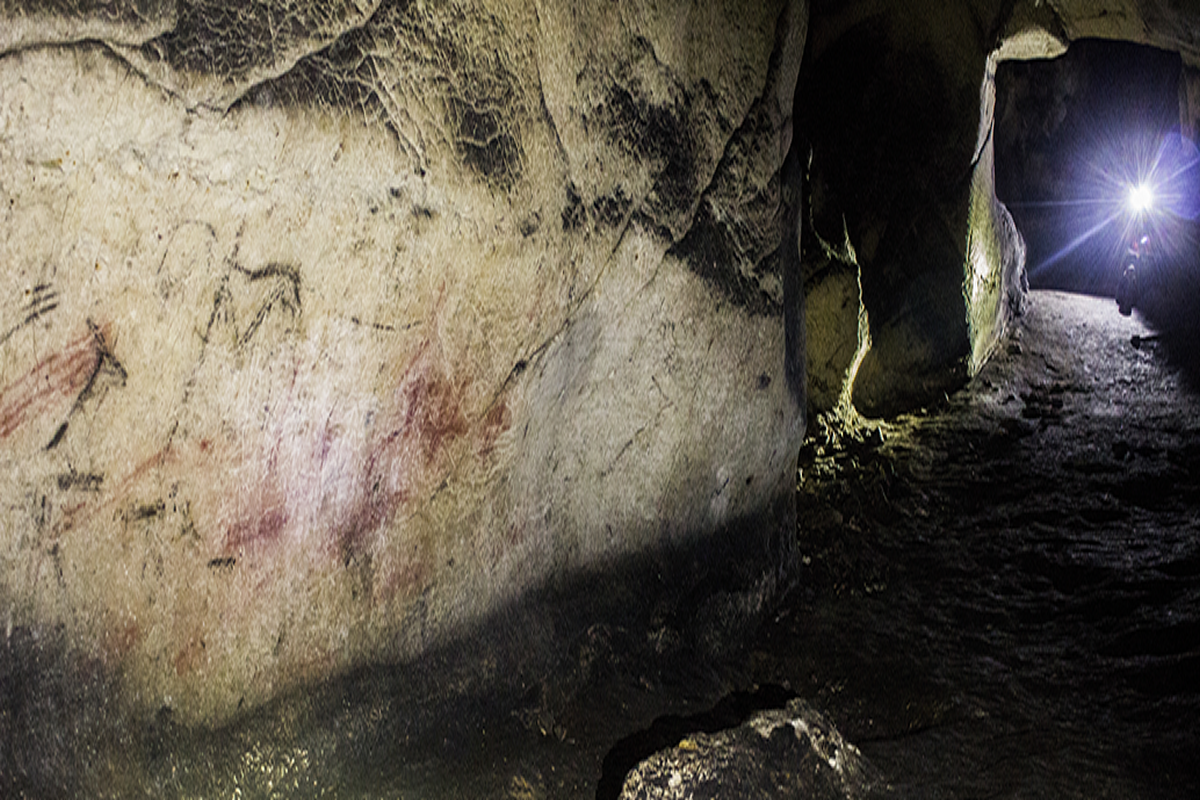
<point>1127,287</point>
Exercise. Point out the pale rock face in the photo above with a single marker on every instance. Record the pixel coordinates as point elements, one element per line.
<point>314,355</point>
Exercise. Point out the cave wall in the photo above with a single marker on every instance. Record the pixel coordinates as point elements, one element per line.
<point>996,278</point>
<point>331,331</point>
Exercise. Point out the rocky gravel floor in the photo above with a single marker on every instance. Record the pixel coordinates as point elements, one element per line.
<point>1001,596</point>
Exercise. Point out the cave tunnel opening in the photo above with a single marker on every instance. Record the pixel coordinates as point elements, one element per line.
<point>1074,136</point>
<point>1025,518</point>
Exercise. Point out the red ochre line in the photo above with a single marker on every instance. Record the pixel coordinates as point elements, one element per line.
<point>62,374</point>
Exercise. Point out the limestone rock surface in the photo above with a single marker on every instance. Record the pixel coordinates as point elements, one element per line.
<point>329,331</point>
<point>894,103</point>
<point>789,752</point>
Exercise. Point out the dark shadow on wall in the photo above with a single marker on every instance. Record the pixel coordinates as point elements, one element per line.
<point>450,720</point>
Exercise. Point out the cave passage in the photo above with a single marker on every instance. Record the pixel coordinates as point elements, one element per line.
<point>1001,596</point>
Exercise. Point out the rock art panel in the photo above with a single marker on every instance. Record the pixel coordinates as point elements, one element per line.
<point>327,332</point>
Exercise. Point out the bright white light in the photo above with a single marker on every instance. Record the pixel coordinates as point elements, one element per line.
<point>1140,198</point>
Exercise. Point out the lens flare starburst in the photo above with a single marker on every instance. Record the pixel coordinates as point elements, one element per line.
<point>1130,188</point>
<point>1141,198</point>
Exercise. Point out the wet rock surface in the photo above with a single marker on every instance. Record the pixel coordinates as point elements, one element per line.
<point>999,596</point>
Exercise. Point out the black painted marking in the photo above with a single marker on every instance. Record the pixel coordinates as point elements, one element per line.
<point>42,300</point>
<point>58,437</point>
<point>611,209</point>
<point>379,326</point>
<point>146,511</point>
<point>574,214</point>
<point>285,294</point>
<point>530,225</point>
<point>79,481</point>
<point>107,373</point>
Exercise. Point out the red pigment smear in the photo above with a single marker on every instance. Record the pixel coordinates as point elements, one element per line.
<point>119,640</point>
<point>409,577</point>
<point>189,656</point>
<point>63,375</point>
<point>74,513</point>
<point>264,527</point>
<point>497,420</point>
<point>422,421</point>
<point>430,417</point>
<point>433,413</point>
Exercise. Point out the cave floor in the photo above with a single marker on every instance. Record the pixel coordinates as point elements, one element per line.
<point>1001,596</point>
